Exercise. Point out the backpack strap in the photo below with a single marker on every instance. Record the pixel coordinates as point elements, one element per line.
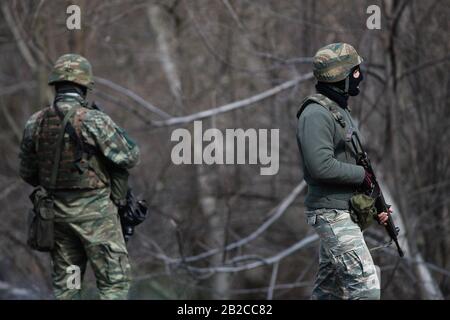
<point>83,150</point>
<point>325,102</point>
<point>59,145</point>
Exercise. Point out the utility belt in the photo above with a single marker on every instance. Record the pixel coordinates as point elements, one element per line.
<point>41,217</point>
<point>340,192</point>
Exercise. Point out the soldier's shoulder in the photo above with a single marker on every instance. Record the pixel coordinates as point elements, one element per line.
<point>36,117</point>
<point>96,121</point>
<point>94,116</point>
<point>314,109</point>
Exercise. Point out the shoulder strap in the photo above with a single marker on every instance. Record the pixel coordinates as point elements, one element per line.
<point>325,102</point>
<point>331,106</point>
<point>59,145</point>
<point>81,147</point>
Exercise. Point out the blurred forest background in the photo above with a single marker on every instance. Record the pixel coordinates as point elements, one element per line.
<point>224,231</point>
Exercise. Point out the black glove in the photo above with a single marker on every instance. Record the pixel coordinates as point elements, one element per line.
<point>132,214</point>
<point>367,184</point>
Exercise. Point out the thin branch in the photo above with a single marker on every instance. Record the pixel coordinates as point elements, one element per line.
<point>25,52</point>
<point>130,94</point>
<point>424,65</point>
<point>13,292</point>
<point>264,262</point>
<point>280,210</point>
<point>428,286</point>
<point>393,252</point>
<point>120,104</point>
<point>233,14</point>
<point>211,48</point>
<point>283,286</point>
<point>234,105</point>
<point>12,123</point>
<point>273,281</point>
<point>7,190</point>
<point>17,87</point>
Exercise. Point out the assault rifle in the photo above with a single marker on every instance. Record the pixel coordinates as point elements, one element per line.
<point>375,191</point>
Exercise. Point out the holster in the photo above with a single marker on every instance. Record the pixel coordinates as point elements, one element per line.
<point>41,236</point>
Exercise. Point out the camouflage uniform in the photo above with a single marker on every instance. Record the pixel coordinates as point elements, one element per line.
<point>87,226</point>
<point>346,268</point>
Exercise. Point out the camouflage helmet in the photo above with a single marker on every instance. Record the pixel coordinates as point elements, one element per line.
<point>73,68</point>
<point>335,61</point>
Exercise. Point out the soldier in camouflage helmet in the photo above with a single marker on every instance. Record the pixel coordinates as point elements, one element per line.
<point>346,268</point>
<point>86,222</point>
<point>73,68</point>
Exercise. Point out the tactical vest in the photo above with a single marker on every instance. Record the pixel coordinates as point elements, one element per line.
<point>78,169</point>
<point>346,130</point>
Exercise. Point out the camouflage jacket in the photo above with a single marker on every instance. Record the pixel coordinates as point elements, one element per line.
<point>97,130</point>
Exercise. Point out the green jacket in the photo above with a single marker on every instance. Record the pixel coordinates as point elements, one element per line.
<point>329,163</point>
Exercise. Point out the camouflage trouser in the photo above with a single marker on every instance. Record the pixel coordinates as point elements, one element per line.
<point>98,241</point>
<point>346,268</point>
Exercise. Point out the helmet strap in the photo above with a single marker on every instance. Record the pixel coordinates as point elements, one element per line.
<point>347,84</point>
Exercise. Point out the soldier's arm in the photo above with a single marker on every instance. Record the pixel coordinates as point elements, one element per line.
<point>112,141</point>
<point>315,133</point>
<point>28,168</point>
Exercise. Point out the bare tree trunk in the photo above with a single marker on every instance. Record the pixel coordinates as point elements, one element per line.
<point>166,41</point>
<point>216,227</point>
<point>18,37</point>
<point>429,289</point>
<point>43,92</point>
<point>77,43</point>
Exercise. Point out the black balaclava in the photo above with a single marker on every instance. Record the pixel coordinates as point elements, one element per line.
<point>336,90</point>
<point>353,85</point>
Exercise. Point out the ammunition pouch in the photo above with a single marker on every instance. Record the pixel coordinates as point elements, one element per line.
<point>362,210</point>
<point>41,221</point>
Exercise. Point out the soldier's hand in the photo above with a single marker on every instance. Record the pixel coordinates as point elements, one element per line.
<point>384,216</point>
